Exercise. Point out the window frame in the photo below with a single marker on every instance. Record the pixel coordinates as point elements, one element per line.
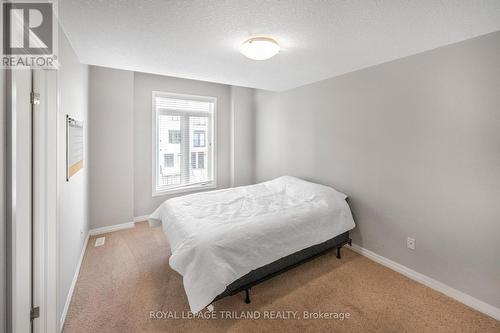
<point>210,142</point>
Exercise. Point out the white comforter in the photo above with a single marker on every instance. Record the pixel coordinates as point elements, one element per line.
<point>217,237</point>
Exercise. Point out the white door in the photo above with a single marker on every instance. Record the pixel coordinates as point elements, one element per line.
<point>32,201</point>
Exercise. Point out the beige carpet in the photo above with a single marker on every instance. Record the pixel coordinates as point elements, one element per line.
<point>122,281</point>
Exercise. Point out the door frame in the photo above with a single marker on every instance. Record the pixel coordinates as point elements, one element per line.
<point>18,200</point>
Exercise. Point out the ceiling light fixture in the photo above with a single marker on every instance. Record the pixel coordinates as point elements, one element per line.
<point>259,48</point>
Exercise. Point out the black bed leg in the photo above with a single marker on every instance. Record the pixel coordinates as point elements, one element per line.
<point>247,296</point>
<point>338,253</point>
<point>349,242</point>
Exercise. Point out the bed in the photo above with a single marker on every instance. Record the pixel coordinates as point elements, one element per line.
<point>226,241</point>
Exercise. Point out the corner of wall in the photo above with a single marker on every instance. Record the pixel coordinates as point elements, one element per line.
<point>242,120</point>
<point>231,134</point>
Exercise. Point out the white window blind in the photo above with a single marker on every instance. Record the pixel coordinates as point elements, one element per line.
<point>183,142</point>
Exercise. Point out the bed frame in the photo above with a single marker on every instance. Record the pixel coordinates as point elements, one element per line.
<point>246,282</point>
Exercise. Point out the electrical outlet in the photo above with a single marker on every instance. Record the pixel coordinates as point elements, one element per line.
<point>410,243</point>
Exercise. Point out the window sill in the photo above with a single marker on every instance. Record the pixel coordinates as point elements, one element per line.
<point>184,189</point>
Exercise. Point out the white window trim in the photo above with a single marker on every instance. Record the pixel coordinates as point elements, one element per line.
<point>183,188</point>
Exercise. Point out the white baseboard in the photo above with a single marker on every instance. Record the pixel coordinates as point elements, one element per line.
<point>110,228</point>
<point>120,226</point>
<point>73,283</point>
<point>468,300</point>
<point>141,218</point>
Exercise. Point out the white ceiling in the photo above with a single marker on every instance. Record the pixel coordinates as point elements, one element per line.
<point>199,39</point>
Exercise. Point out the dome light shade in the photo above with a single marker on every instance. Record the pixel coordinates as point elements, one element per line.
<point>259,48</point>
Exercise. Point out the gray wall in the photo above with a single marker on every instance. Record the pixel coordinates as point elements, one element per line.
<point>144,84</point>
<point>111,140</point>
<point>120,160</point>
<point>415,143</point>
<point>242,136</point>
<point>73,225</point>
<point>3,245</point>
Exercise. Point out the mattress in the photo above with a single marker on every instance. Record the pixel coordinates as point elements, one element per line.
<point>219,236</point>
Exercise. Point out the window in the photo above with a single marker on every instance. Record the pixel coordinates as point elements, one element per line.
<point>193,161</point>
<point>183,142</point>
<point>168,160</point>
<point>201,160</point>
<point>198,138</point>
<point>198,160</point>
<point>174,136</point>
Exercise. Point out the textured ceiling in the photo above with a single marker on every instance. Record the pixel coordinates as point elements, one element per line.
<point>199,39</point>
